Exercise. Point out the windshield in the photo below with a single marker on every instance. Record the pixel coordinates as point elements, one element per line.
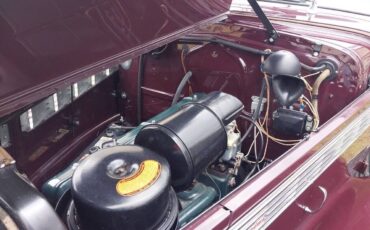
<point>357,6</point>
<point>353,6</point>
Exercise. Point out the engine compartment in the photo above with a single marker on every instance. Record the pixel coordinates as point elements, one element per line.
<point>200,139</point>
<point>210,112</point>
<point>187,157</point>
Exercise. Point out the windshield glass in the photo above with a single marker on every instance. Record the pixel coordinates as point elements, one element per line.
<point>358,6</point>
<point>355,6</point>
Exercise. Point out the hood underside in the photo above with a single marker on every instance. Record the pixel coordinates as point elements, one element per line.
<point>53,43</point>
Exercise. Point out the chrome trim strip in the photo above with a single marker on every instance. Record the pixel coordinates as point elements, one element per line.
<point>267,210</point>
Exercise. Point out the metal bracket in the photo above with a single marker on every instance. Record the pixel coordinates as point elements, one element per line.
<point>316,49</point>
<point>4,136</point>
<point>5,158</point>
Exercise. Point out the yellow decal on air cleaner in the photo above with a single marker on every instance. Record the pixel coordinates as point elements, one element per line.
<point>146,175</point>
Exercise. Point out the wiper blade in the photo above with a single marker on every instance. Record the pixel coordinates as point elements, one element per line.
<point>272,33</point>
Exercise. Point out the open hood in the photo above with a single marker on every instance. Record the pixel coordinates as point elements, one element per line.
<point>48,44</point>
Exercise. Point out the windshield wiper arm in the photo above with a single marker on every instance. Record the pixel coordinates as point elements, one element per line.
<point>272,33</point>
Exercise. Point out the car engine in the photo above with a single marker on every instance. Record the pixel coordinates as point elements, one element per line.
<point>168,156</point>
<point>169,169</point>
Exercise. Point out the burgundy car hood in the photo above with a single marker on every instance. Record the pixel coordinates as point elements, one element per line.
<point>49,44</point>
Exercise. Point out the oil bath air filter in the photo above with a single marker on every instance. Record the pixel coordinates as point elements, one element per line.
<point>123,187</point>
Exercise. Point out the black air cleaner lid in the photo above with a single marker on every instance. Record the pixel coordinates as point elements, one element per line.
<point>125,187</point>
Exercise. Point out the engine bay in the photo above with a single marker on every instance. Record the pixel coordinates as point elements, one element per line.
<point>159,139</point>
<point>198,143</point>
<point>197,186</point>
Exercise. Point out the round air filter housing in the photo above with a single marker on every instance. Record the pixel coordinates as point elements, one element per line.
<point>123,187</point>
<point>193,137</point>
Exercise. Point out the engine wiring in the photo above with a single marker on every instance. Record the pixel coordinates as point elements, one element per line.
<point>255,151</point>
<point>254,146</point>
<point>265,86</point>
<point>308,86</point>
<point>261,126</point>
<point>265,120</point>
<point>254,142</point>
<point>265,130</point>
<point>308,102</point>
<point>311,75</point>
<point>314,112</point>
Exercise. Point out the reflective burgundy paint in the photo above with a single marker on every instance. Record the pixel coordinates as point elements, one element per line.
<point>335,180</point>
<point>55,43</point>
<point>347,205</point>
<point>322,17</point>
<point>49,44</point>
<point>351,50</point>
<point>238,73</point>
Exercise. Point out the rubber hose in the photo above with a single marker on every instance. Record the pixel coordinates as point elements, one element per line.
<point>315,89</point>
<point>181,86</point>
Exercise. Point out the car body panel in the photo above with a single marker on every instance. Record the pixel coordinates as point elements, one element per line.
<point>305,14</point>
<point>69,41</point>
<point>335,180</point>
<point>352,39</point>
<point>347,202</point>
<point>46,45</point>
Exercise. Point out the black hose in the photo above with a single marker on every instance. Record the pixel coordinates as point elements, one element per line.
<point>181,86</point>
<point>225,43</point>
<point>249,128</point>
<point>242,48</point>
<point>140,78</point>
<point>253,119</point>
<point>260,99</point>
<point>260,151</point>
<point>256,112</point>
<point>313,69</point>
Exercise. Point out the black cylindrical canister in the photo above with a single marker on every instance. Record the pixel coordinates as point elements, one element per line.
<point>124,187</point>
<point>193,137</point>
